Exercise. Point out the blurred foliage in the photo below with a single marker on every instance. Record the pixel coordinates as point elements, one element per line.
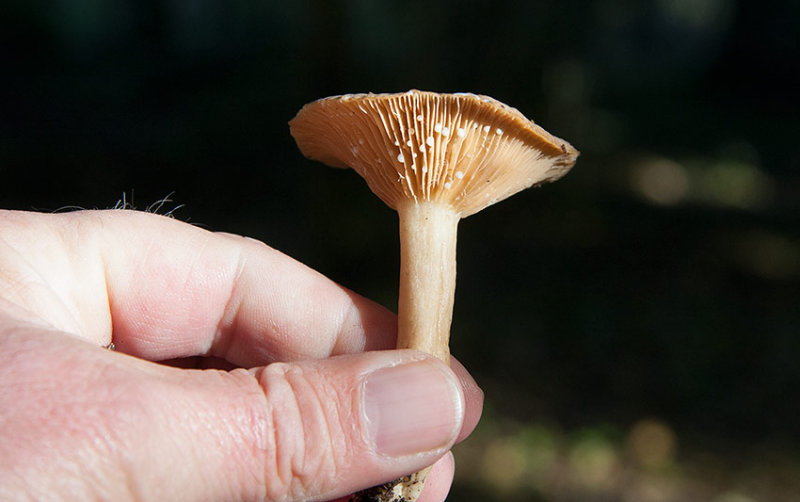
<point>635,325</point>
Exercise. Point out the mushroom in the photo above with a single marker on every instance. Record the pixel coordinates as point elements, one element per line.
<point>434,158</point>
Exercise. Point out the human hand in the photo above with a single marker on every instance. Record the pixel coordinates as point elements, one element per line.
<point>320,411</point>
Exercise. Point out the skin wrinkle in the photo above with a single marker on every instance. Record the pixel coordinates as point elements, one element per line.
<point>338,447</point>
<point>274,334</point>
<point>346,323</point>
<point>316,408</point>
<point>198,254</point>
<point>221,341</point>
<point>102,330</point>
<point>109,337</point>
<point>254,426</point>
<point>223,279</point>
<point>90,270</point>
<point>275,469</point>
<point>296,458</point>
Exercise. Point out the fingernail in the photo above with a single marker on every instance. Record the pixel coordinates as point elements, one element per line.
<point>412,408</point>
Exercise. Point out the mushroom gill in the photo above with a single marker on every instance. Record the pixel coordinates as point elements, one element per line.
<point>465,150</point>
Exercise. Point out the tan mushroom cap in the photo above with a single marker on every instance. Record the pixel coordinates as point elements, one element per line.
<point>464,150</point>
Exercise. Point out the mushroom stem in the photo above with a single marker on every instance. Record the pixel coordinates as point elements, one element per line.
<point>427,276</point>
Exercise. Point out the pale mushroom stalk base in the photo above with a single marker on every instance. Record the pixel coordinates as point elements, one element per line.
<point>425,308</point>
<point>406,489</point>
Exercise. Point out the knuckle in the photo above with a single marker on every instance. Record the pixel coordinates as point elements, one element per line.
<point>306,435</point>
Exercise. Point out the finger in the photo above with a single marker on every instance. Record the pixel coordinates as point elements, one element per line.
<point>439,480</point>
<point>312,430</point>
<point>172,290</point>
<point>194,292</point>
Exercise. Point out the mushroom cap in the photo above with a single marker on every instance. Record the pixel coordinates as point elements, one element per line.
<point>464,150</point>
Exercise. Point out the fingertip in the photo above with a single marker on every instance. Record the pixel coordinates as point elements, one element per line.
<point>473,399</point>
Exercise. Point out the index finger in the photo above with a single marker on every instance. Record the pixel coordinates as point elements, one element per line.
<point>173,290</point>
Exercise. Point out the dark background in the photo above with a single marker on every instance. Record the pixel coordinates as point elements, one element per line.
<point>636,325</point>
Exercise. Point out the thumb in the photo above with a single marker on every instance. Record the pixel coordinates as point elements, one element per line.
<point>347,423</point>
<point>86,422</point>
